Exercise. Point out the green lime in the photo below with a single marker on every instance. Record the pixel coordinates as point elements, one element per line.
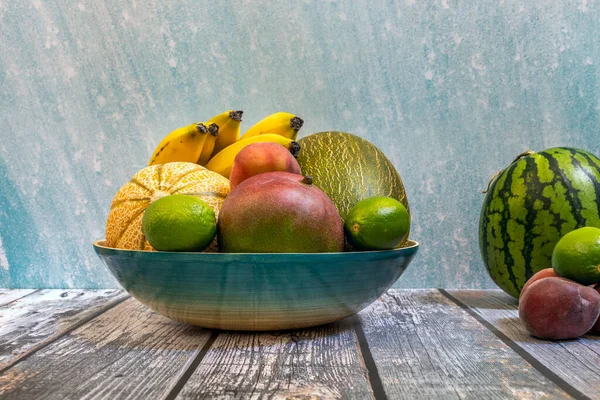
<point>377,223</point>
<point>576,256</point>
<point>179,223</point>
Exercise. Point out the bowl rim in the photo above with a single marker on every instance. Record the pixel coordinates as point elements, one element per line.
<point>101,247</point>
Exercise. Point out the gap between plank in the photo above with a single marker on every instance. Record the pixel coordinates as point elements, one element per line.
<point>190,367</point>
<point>374,378</point>
<point>545,371</point>
<point>70,328</point>
<point>19,298</point>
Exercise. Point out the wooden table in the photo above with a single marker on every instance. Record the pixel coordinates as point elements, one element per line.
<point>410,344</point>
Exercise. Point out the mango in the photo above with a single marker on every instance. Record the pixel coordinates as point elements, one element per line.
<point>279,212</point>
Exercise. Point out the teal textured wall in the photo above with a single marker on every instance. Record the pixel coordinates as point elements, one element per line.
<point>451,91</point>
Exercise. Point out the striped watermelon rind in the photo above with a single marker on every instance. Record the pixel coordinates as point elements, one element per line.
<point>529,206</point>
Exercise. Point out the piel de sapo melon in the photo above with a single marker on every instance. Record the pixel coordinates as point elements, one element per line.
<point>348,169</point>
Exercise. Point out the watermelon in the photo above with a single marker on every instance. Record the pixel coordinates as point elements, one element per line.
<point>530,205</point>
<point>348,169</point>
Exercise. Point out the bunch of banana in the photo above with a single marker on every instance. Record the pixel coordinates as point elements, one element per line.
<point>184,144</point>
<point>214,144</point>
<point>280,127</point>
<point>281,123</point>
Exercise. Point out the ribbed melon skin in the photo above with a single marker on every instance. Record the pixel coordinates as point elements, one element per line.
<point>530,206</point>
<point>348,169</point>
<point>124,222</point>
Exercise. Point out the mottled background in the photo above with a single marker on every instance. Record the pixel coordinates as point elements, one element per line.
<point>451,91</point>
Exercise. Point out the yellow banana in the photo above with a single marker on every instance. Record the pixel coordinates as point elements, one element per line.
<point>229,128</point>
<point>209,144</point>
<point>281,123</point>
<point>223,160</point>
<point>183,144</point>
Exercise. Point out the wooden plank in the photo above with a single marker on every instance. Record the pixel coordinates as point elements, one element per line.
<point>127,352</point>
<point>31,322</point>
<point>10,295</point>
<point>323,362</point>
<point>425,346</point>
<point>576,362</point>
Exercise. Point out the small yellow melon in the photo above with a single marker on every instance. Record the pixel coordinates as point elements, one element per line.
<point>124,224</point>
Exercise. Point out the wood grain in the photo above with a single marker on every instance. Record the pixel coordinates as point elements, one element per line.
<point>29,322</point>
<point>577,362</point>
<point>10,295</point>
<point>426,347</point>
<point>127,352</point>
<point>323,362</point>
<point>418,343</point>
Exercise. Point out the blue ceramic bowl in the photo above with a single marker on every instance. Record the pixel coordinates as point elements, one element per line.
<point>256,291</point>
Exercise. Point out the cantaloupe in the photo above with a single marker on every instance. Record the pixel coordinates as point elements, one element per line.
<point>124,223</point>
<point>348,169</point>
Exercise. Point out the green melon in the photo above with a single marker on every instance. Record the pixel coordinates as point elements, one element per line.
<point>349,169</point>
<point>530,205</point>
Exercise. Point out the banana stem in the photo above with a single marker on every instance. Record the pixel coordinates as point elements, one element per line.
<point>236,115</point>
<point>296,123</point>
<point>213,129</point>
<point>294,148</point>
<point>201,127</point>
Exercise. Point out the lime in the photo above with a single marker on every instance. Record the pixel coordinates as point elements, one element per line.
<point>576,256</point>
<point>377,223</point>
<point>179,223</point>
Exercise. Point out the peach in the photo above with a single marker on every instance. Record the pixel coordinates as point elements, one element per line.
<point>279,212</point>
<point>258,158</point>
<point>557,308</point>
<point>544,273</point>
